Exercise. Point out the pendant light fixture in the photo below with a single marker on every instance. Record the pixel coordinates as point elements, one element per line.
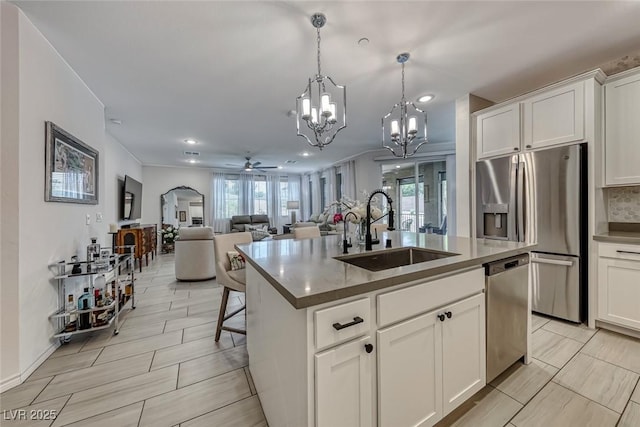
<point>404,128</point>
<point>321,110</point>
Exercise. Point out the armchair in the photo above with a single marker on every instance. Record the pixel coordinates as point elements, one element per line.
<point>194,254</point>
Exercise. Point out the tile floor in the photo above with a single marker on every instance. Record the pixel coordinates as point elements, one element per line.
<point>164,369</point>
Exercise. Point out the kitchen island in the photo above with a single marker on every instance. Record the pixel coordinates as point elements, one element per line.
<point>334,344</point>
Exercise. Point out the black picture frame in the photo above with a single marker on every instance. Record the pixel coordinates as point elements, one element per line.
<point>71,168</point>
<point>183,216</point>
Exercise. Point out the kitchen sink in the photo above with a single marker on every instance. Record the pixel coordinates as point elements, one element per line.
<point>391,258</point>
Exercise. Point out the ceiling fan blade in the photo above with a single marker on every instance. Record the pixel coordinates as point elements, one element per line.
<point>268,167</point>
<point>256,164</point>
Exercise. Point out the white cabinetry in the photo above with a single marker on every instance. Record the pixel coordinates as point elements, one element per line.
<point>344,385</point>
<point>554,117</point>
<point>619,284</point>
<point>429,365</point>
<point>498,131</point>
<point>622,130</point>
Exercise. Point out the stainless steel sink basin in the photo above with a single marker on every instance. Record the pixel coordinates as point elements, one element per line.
<point>391,258</point>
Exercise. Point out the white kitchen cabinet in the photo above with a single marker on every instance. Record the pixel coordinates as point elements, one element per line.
<point>622,130</point>
<point>344,385</point>
<point>429,365</point>
<point>619,285</point>
<point>554,117</point>
<point>498,131</point>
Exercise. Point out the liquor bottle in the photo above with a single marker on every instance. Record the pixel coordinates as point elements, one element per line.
<point>73,314</point>
<point>93,248</point>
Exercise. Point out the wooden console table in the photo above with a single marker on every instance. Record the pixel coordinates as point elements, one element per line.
<point>143,237</point>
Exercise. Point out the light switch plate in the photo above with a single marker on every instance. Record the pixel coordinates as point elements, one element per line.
<point>88,219</point>
<point>98,217</point>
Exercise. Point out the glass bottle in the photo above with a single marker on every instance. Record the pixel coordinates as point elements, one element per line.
<point>93,248</point>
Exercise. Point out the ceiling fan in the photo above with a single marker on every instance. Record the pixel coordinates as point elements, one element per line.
<point>249,167</point>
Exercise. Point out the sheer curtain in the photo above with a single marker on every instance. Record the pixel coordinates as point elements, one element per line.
<point>330,176</point>
<point>273,201</point>
<point>218,203</point>
<point>348,171</point>
<point>294,182</point>
<point>305,210</point>
<point>315,194</point>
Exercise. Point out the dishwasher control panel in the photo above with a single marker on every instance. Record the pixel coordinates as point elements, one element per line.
<point>497,267</point>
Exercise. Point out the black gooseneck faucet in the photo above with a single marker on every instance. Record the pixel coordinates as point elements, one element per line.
<point>345,245</point>
<point>367,242</point>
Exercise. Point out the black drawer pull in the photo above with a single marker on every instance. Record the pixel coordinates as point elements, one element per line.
<point>368,348</point>
<point>441,317</point>
<point>356,320</point>
<point>628,252</point>
<point>449,314</point>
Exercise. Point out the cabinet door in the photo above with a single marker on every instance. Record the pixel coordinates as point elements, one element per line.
<point>554,117</point>
<point>344,387</point>
<point>409,375</point>
<point>619,291</point>
<point>463,351</point>
<point>498,131</point>
<point>622,131</point>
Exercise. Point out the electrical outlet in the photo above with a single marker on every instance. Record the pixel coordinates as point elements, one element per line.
<point>88,219</point>
<point>98,217</point>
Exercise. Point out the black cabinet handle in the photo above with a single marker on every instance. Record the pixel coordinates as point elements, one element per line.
<point>441,317</point>
<point>368,348</point>
<point>449,314</point>
<point>356,320</point>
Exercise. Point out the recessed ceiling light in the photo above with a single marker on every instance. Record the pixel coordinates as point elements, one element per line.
<point>426,98</point>
<point>363,41</point>
<point>397,166</point>
<point>280,167</point>
<point>305,154</point>
<point>193,161</point>
<point>190,141</point>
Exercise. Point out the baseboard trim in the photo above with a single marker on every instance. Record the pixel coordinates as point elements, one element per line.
<point>619,329</point>
<point>18,379</point>
<point>9,383</point>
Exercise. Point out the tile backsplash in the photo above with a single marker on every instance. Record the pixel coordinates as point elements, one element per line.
<point>624,204</point>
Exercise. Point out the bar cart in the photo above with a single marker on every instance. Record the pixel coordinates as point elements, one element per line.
<point>118,290</point>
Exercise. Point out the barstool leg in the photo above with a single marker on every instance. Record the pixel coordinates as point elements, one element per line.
<point>223,309</point>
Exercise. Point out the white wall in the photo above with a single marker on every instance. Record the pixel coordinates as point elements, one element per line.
<point>157,180</point>
<point>48,90</point>
<point>368,173</point>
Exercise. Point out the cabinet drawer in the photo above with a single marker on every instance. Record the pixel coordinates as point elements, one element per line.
<point>342,322</point>
<point>618,251</point>
<point>411,301</point>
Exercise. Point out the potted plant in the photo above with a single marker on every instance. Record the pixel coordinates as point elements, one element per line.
<point>169,236</point>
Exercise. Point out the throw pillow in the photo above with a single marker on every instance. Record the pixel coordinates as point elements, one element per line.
<point>236,260</point>
<point>259,234</point>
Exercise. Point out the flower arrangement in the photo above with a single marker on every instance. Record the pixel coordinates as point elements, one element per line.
<point>358,208</point>
<point>169,235</point>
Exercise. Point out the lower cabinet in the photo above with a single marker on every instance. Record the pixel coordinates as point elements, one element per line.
<point>344,385</point>
<point>430,364</point>
<point>619,290</point>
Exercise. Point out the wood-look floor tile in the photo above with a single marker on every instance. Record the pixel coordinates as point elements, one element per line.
<point>636,394</point>
<point>59,365</point>
<point>522,382</point>
<point>36,415</point>
<point>487,408</point>
<point>615,348</point>
<point>631,416</point>
<point>537,322</point>
<point>82,379</point>
<point>194,400</point>
<point>552,348</point>
<point>125,335</point>
<point>121,417</point>
<point>72,347</point>
<point>205,330</point>
<point>148,299</point>
<point>191,350</point>
<point>252,386</point>
<point>206,301</point>
<point>570,330</point>
<point>118,394</point>
<point>187,322</point>
<point>602,382</point>
<point>245,413</point>
<point>556,406</point>
<point>212,365</point>
<point>143,345</point>
<point>150,309</point>
<point>23,394</point>
<point>135,322</point>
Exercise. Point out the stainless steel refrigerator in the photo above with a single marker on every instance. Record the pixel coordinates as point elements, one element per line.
<point>541,197</point>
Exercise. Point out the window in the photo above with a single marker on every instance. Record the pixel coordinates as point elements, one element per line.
<point>442,177</point>
<point>231,197</point>
<point>260,197</point>
<point>284,197</point>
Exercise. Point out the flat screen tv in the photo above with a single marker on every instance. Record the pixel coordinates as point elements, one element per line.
<point>131,199</point>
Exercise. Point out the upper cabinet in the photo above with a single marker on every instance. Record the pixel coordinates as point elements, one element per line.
<point>554,117</point>
<point>547,117</point>
<point>622,129</point>
<point>498,131</point>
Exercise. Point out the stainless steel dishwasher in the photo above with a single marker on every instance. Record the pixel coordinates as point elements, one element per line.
<point>506,293</point>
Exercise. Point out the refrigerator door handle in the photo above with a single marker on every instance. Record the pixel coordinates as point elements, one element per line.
<point>520,198</point>
<point>552,261</point>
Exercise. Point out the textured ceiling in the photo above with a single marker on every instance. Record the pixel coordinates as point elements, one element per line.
<point>226,73</point>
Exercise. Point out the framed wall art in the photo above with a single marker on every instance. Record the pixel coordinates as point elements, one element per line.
<point>183,216</point>
<point>71,168</point>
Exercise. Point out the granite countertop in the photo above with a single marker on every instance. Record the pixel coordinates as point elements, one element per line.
<point>631,237</point>
<point>305,272</point>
